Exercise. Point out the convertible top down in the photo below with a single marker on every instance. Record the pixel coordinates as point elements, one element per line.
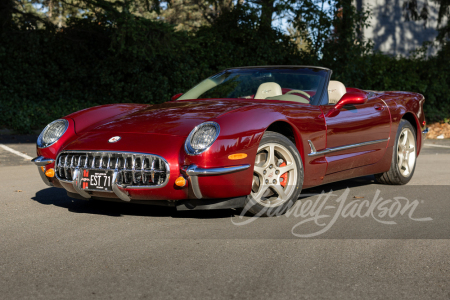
<point>252,136</point>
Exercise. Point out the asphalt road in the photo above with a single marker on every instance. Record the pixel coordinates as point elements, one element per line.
<point>53,247</point>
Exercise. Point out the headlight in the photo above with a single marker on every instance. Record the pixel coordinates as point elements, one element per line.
<point>201,138</point>
<point>52,132</point>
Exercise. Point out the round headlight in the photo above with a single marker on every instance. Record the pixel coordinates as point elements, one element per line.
<point>52,132</point>
<point>201,138</point>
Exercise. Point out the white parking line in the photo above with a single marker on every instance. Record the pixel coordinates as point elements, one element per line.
<point>439,146</point>
<point>16,152</point>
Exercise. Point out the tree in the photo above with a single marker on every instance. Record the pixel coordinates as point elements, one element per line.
<point>416,13</point>
<point>14,12</point>
<point>192,14</point>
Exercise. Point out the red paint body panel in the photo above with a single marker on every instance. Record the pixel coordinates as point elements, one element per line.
<point>91,117</point>
<point>166,118</point>
<point>162,130</point>
<point>403,103</point>
<point>354,124</point>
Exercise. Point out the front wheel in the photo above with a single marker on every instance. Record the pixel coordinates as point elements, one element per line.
<point>404,157</point>
<point>277,176</point>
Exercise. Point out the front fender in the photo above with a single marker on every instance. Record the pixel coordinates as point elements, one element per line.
<point>241,132</point>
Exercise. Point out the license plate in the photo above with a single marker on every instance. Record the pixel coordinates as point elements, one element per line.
<point>97,180</point>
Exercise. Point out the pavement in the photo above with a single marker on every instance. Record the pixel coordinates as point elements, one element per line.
<point>55,247</point>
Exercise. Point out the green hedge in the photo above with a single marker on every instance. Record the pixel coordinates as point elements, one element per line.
<point>45,75</point>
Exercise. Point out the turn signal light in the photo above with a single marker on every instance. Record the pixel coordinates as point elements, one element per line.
<point>43,169</point>
<point>50,173</point>
<point>180,181</point>
<point>237,156</point>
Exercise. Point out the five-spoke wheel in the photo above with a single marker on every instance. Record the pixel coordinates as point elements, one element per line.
<point>277,176</point>
<point>406,152</point>
<point>404,157</point>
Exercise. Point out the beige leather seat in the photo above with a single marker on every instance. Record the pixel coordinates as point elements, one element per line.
<point>268,89</point>
<point>336,90</point>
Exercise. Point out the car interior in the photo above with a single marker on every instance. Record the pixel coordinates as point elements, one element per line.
<point>273,91</point>
<point>336,90</point>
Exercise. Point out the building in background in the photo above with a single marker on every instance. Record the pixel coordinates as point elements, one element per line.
<point>392,32</point>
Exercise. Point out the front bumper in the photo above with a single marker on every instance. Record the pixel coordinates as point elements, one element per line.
<point>192,172</point>
<point>41,162</point>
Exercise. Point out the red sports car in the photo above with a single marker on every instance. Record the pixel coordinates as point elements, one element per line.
<point>252,136</point>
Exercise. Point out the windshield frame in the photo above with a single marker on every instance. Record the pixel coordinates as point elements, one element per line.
<point>319,92</point>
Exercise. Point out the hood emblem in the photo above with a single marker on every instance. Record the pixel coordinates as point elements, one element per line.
<point>114,139</point>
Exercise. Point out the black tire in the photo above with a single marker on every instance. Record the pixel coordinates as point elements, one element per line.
<point>284,150</point>
<point>394,176</point>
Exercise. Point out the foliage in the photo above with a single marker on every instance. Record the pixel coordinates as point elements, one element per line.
<point>113,56</point>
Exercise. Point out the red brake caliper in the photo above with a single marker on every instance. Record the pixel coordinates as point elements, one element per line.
<point>284,176</point>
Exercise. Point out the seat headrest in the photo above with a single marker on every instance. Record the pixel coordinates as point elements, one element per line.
<point>336,90</point>
<point>268,89</point>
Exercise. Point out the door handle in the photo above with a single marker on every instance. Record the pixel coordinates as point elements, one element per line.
<point>379,106</point>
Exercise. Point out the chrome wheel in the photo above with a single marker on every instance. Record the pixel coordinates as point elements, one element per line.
<point>274,176</point>
<point>406,152</point>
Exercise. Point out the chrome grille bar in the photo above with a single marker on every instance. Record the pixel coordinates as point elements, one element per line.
<point>152,171</point>
<point>142,168</point>
<point>65,165</point>
<point>133,167</point>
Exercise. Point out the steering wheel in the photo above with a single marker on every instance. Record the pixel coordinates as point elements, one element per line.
<point>298,92</point>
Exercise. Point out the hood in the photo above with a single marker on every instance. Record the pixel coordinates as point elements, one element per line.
<point>172,118</point>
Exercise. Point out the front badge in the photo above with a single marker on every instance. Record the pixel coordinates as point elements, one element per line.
<point>114,139</point>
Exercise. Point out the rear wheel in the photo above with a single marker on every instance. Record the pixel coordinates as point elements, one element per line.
<point>277,176</point>
<point>404,157</point>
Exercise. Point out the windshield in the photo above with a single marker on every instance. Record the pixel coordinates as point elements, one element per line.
<point>297,84</point>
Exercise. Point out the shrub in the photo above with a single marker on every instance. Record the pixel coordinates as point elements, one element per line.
<point>46,74</point>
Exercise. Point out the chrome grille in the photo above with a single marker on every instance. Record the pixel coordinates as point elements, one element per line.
<point>134,170</point>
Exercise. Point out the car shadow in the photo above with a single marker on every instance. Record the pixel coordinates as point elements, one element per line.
<point>58,197</point>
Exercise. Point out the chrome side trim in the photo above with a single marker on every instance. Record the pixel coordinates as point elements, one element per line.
<point>193,172</point>
<point>311,145</point>
<point>346,147</point>
<point>42,161</point>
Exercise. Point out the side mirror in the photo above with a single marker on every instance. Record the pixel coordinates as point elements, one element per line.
<point>175,97</point>
<point>351,98</point>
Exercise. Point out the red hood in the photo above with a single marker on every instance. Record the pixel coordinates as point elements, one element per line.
<point>173,118</point>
